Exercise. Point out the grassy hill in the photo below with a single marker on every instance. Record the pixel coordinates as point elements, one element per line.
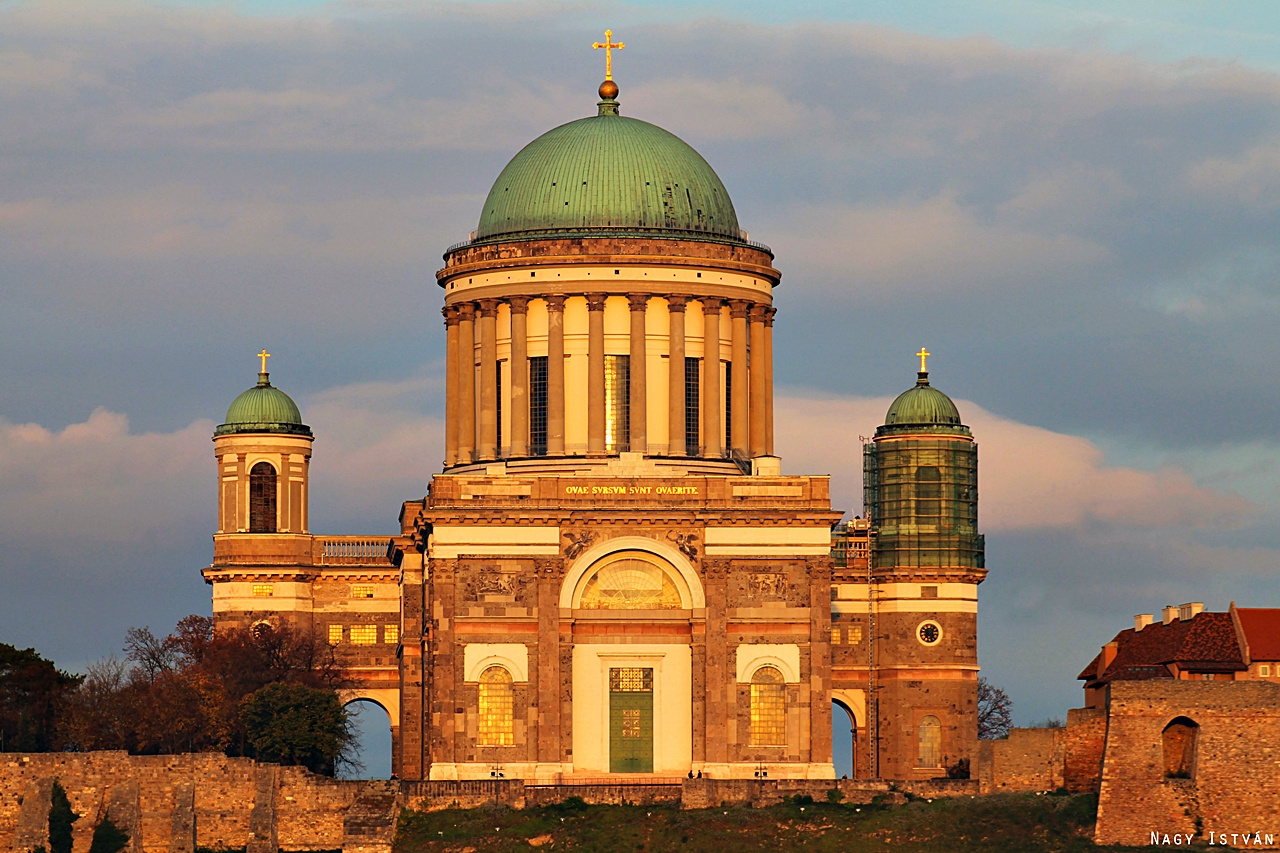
<point>1024,823</point>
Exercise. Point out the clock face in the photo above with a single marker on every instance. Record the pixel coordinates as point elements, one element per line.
<point>929,633</point>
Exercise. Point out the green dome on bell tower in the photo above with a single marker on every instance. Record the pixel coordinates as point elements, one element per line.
<point>263,408</point>
<point>922,408</point>
<point>606,176</point>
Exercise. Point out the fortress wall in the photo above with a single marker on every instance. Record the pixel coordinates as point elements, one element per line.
<point>1235,784</point>
<point>1086,734</point>
<point>1027,760</point>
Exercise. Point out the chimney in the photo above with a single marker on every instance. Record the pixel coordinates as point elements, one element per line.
<point>1141,621</point>
<point>1189,611</point>
<point>1109,655</point>
<point>1169,614</point>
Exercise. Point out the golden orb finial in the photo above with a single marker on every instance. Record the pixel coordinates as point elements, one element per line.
<point>608,90</point>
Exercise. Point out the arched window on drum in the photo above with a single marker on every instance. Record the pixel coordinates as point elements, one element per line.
<point>768,707</point>
<point>497,708</point>
<point>262,498</point>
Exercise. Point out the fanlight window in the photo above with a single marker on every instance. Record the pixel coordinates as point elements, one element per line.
<point>630,584</point>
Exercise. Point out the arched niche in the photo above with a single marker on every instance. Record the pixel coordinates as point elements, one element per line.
<point>1178,745</point>
<point>662,557</point>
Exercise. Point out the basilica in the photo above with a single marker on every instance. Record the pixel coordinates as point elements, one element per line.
<point>612,575</point>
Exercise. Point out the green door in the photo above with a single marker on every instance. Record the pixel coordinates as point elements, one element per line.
<point>630,720</point>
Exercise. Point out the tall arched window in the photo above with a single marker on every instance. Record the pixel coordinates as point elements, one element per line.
<point>1179,742</point>
<point>930,742</point>
<point>262,498</point>
<point>768,707</point>
<point>497,708</point>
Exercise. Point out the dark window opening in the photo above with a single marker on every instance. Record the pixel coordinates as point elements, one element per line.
<point>262,498</point>
<point>692,408</point>
<point>538,405</point>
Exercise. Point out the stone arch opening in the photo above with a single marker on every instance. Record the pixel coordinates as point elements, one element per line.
<point>632,580</point>
<point>1178,742</point>
<point>370,723</point>
<point>844,739</point>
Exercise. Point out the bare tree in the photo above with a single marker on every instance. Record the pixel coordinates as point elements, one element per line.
<point>995,711</point>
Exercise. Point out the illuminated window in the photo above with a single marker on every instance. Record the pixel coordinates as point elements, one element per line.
<point>391,634</point>
<point>263,590</point>
<point>1264,670</point>
<point>835,636</point>
<point>497,708</point>
<point>930,742</point>
<point>768,708</point>
<point>630,584</point>
<point>364,635</point>
<point>855,634</point>
<point>617,403</point>
<point>335,634</point>
<point>262,498</point>
<point>362,590</point>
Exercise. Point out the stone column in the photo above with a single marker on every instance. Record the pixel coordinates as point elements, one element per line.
<point>738,413</point>
<point>639,386</point>
<point>466,382</point>
<point>712,413</point>
<point>555,376</point>
<point>488,379</point>
<point>595,374</point>
<point>768,381</point>
<point>675,384</point>
<point>519,375</point>
<point>451,386</point>
<point>759,372</point>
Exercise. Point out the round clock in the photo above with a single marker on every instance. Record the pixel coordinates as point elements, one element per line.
<point>929,633</point>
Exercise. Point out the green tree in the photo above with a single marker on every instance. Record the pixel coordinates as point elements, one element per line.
<point>32,691</point>
<point>60,819</point>
<point>296,724</point>
<point>108,838</point>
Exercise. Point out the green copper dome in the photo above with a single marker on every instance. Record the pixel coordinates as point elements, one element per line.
<point>263,408</point>
<point>922,408</point>
<point>608,175</point>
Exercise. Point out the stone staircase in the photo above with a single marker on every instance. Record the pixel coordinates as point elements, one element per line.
<point>370,823</point>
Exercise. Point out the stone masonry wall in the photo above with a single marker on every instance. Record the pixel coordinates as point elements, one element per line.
<point>1235,784</point>
<point>1027,760</point>
<point>1085,737</point>
<point>174,804</point>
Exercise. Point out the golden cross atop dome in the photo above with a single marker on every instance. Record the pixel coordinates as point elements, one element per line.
<point>264,355</point>
<point>609,44</point>
<point>924,354</point>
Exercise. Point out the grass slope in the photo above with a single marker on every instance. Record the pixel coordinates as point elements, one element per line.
<point>1004,822</point>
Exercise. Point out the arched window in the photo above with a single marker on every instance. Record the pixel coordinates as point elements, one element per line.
<point>930,742</point>
<point>497,708</point>
<point>1179,741</point>
<point>262,498</point>
<point>630,583</point>
<point>768,707</point>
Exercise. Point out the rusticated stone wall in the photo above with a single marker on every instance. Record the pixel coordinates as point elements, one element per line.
<point>174,804</point>
<point>1235,781</point>
<point>1027,760</point>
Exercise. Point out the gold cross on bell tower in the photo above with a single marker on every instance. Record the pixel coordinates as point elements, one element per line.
<point>609,44</point>
<point>264,355</point>
<point>924,354</point>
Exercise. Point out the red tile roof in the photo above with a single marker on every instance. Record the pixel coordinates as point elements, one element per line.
<point>1205,642</point>
<point>1262,631</point>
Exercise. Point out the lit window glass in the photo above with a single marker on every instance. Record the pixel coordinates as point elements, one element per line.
<point>364,635</point>
<point>930,742</point>
<point>263,590</point>
<point>360,590</point>
<point>497,708</point>
<point>1264,670</point>
<point>617,403</point>
<point>391,634</point>
<point>335,634</point>
<point>835,636</point>
<point>768,708</point>
<point>630,584</point>
<point>855,634</point>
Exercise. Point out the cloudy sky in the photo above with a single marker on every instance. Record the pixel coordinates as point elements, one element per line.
<point>1072,204</point>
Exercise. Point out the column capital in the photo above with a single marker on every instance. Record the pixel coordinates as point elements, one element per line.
<point>555,304</point>
<point>710,303</point>
<point>677,302</point>
<point>450,313</point>
<point>768,317</point>
<point>759,311</point>
<point>488,307</point>
<point>518,304</point>
<point>638,301</point>
<point>466,310</point>
<point>595,301</point>
<point>738,308</point>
